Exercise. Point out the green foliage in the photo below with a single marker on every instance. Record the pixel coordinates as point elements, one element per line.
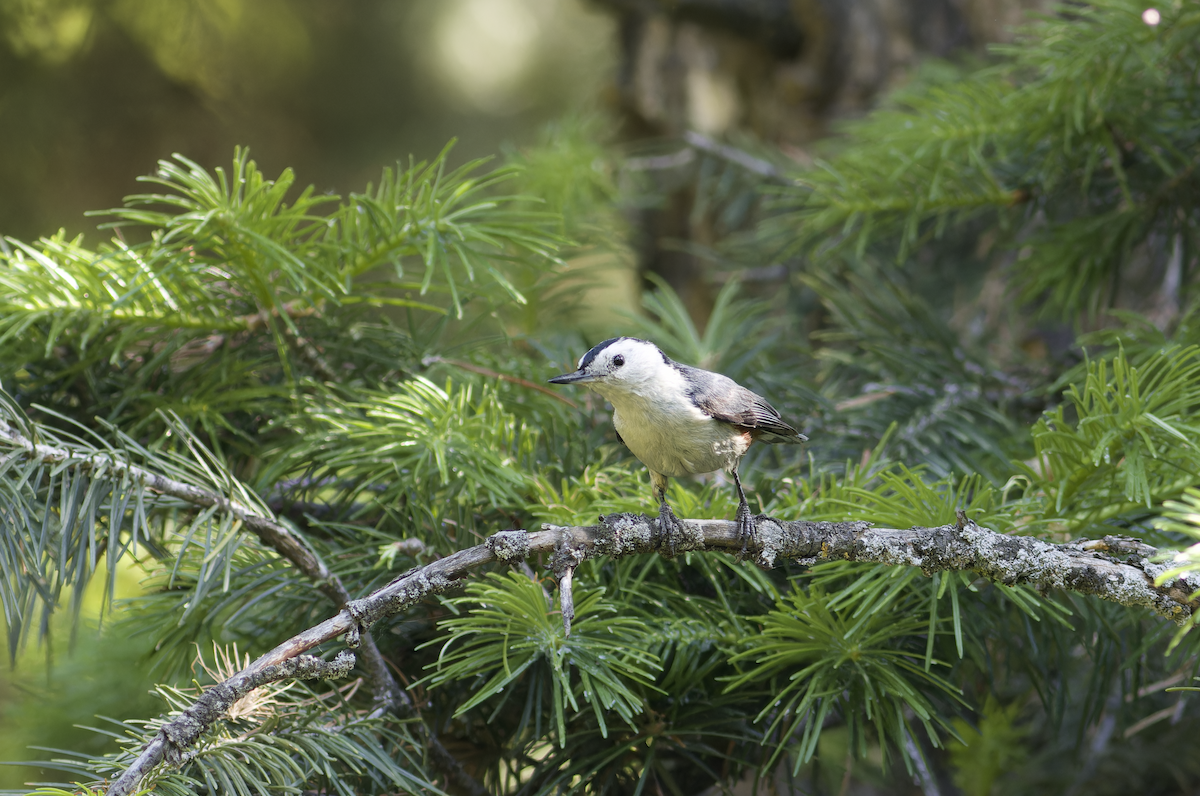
<point>451,221</point>
<point>511,631</point>
<point>1129,444</point>
<point>420,446</point>
<point>737,332</point>
<point>240,220</point>
<point>1081,178</point>
<point>78,502</point>
<point>272,741</point>
<point>229,326</point>
<point>600,488</point>
<point>935,166</point>
<point>889,359</point>
<point>571,174</point>
<point>1182,516</point>
<point>984,754</point>
<point>370,372</point>
<point>230,265</point>
<point>66,696</point>
<point>868,672</point>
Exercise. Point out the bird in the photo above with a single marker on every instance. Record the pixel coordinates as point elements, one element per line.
<point>679,420</point>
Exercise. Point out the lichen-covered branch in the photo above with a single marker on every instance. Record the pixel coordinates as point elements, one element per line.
<point>1117,569</point>
<point>186,728</point>
<point>287,661</point>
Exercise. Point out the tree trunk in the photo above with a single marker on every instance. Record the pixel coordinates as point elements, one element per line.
<point>779,71</point>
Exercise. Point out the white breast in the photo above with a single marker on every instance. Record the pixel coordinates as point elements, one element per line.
<point>673,437</point>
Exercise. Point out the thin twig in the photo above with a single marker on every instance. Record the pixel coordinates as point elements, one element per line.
<point>482,371</point>
<point>922,775</point>
<point>744,159</point>
<point>700,142</point>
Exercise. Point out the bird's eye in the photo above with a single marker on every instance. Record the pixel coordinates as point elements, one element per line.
<point>618,361</point>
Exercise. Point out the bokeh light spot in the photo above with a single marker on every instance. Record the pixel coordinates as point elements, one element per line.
<point>486,47</point>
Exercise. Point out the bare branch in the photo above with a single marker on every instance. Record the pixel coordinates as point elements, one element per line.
<point>482,371</point>
<point>1114,568</point>
<point>176,736</point>
<point>698,141</point>
<point>747,161</point>
<point>186,728</point>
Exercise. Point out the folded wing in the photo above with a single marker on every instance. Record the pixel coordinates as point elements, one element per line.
<point>721,398</point>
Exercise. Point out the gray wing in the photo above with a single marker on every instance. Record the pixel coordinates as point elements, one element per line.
<point>722,398</point>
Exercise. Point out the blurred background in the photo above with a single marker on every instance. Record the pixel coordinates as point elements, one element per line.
<point>94,92</point>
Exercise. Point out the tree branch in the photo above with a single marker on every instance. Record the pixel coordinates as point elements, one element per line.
<point>388,692</point>
<point>1118,569</point>
<point>744,159</point>
<point>482,371</point>
<point>272,533</point>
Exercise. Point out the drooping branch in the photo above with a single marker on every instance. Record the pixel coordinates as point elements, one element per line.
<point>388,693</point>
<point>271,533</point>
<point>1117,569</point>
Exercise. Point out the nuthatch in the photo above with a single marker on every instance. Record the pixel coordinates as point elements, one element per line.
<point>679,420</point>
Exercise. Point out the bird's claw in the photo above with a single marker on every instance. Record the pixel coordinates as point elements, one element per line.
<point>670,530</point>
<point>745,529</point>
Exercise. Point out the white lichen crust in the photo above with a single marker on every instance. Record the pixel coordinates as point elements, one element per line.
<point>1085,567</point>
<point>509,546</point>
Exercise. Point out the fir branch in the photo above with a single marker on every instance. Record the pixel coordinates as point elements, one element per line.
<point>185,729</point>
<point>388,693</point>
<point>272,533</point>
<point>1114,568</point>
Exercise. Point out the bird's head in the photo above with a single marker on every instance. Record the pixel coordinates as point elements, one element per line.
<point>622,364</point>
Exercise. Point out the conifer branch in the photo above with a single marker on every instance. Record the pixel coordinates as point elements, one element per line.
<point>1117,569</point>
<point>387,690</point>
<point>270,532</point>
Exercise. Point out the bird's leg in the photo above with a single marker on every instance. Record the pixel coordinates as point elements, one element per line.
<point>745,521</point>
<point>670,529</point>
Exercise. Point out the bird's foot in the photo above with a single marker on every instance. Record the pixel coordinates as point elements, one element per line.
<point>745,529</point>
<point>670,530</point>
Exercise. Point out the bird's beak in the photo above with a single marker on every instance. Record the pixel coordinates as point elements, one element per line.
<point>578,377</point>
